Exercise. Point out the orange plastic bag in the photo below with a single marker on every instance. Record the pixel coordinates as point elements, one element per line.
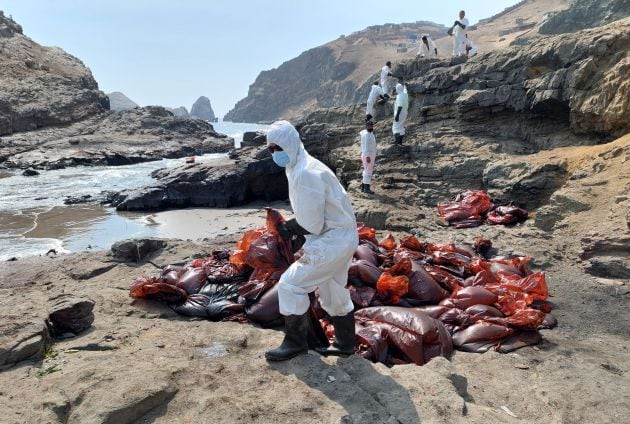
<point>411,243</point>
<point>393,286</point>
<point>388,242</point>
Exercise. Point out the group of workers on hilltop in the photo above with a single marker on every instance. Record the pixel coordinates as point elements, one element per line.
<point>324,218</point>
<point>462,44</point>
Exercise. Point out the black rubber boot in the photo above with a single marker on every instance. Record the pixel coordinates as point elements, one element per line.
<point>400,139</point>
<point>367,189</point>
<point>345,338</point>
<point>294,343</point>
<point>362,188</point>
<point>396,136</point>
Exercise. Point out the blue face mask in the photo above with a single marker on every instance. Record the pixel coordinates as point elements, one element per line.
<point>280,158</point>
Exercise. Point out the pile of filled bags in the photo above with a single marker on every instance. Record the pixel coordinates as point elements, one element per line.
<point>413,300</point>
<point>474,207</point>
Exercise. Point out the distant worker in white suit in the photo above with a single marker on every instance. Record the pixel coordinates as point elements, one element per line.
<point>368,156</point>
<point>401,106</point>
<point>470,47</point>
<point>386,74</point>
<point>376,96</point>
<point>459,34</point>
<point>427,48</point>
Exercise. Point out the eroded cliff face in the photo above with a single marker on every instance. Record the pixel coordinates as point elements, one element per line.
<point>42,86</point>
<point>586,14</point>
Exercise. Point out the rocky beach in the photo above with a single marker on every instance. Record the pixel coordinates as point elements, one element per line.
<point>544,123</point>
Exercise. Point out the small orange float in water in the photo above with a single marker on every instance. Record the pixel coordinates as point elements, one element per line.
<point>190,159</point>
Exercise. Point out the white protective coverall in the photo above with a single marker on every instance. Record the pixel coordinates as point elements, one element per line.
<point>427,51</point>
<point>469,47</point>
<point>459,38</point>
<point>368,150</point>
<point>402,100</point>
<point>322,207</point>
<point>385,71</point>
<point>375,91</point>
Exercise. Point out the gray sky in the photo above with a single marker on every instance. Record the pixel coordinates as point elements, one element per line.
<point>170,52</point>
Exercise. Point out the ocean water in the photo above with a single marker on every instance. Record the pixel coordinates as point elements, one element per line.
<point>34,219</point>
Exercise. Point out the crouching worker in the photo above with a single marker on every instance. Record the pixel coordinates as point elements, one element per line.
<point>323,213</point>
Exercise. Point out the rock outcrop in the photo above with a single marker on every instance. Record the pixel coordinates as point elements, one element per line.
<point>585,14</point>
<point>180,112</point>
<point>42,86</point>
<point>202,109</point>
<point>328,75</point>
<point>118,101</point>
<point>113,138</point>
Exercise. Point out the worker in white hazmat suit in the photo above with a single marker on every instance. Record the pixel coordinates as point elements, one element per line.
<point>386,74</point>
<point>324,214</point>
<point>427,48</point>
<point>401,106</point>
<point>368,156</point>
<point>376,95</point>
<point>459,34</point>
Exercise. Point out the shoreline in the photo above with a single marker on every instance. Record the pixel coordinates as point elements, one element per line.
<point>78,228</point>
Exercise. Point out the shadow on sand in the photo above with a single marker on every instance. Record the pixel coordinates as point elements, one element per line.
<point>355,384</point>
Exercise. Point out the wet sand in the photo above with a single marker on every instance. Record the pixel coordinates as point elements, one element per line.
<point>94,227</point>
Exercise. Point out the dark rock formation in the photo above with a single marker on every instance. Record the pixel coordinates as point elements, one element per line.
<point>113,138</point>
<point>118,101</point>
<point>42,86</point>
<point>135,250</point>
<point>251,175</point>
<point>71,314</point>
<point>606,256</point>
<point>202,109</point>
<point>585,14</point>
<point>30,172</point>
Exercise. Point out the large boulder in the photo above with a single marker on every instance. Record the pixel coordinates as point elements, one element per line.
<point>202,109</point>
<point>42,86</point>
<point>71,314</point>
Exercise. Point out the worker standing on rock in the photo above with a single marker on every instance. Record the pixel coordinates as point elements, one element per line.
<point>401,106</point>
<point>459,34</point>
<point>376,95</point>
<point>324,214</point>
<point>386,74</point>
<point>368,156</point>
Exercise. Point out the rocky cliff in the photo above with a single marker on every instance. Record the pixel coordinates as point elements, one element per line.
<point>586,14</point>
<point>52,114</point>
<point>42,86</point>
<point>202,109</point>
<point>118,101</point>
<point>329,75</point>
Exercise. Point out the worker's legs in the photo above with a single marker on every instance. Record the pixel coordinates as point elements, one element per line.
<point>335,299</point>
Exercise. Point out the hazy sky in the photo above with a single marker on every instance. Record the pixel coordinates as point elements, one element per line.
<point>171,52</point>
